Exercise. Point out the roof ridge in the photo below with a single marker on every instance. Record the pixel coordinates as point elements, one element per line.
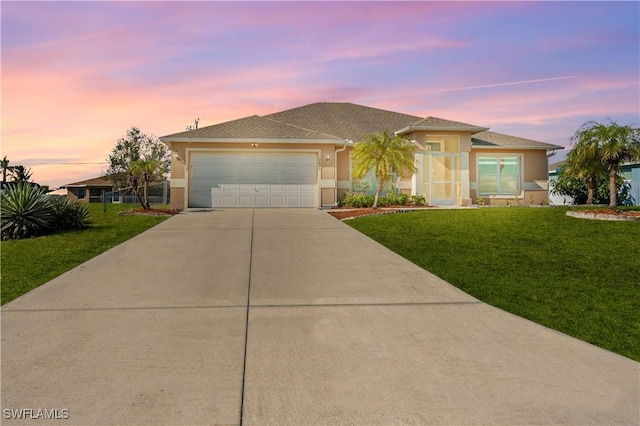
<point>300,127</point>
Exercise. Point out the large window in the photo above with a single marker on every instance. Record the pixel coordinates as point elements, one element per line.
<point>499,175</point>
<point>369,184</point>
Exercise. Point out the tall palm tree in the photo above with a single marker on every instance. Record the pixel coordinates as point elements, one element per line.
<point>583,162</point>
<point>386,154</point>
<point>615,144</point>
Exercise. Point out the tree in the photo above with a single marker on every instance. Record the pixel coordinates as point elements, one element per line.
<point>583,164</point>
<point>141,173</point>
<point>384,153</point>
<point>577,188</point>
<point>136,161</point>
<point>4,164</point>
<point>21,174</point>
<point>613,144</point>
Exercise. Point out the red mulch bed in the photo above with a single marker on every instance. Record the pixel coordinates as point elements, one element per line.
<point>351,213</point>
<point>152,212</point>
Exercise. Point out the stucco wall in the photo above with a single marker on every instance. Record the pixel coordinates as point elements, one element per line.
<point>326,164</point>
<point>534,177</point>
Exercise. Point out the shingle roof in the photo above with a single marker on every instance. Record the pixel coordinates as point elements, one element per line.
<point>97,181</point>
<point>251,128</point>
<point>492,139</point>
<point>435,123</point>
<point>337,122</point>
<point>345,120</point>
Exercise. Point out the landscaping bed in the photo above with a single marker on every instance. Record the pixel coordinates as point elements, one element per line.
<point>345,214</point>
<point>605,214</point>
<point>151,212</point>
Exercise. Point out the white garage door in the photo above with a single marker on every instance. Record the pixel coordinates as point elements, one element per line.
<point>252,180</point>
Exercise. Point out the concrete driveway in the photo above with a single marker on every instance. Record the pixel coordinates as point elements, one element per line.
<point>288,317</point>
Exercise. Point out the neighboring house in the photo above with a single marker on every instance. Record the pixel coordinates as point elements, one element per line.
<point>631,172</point>
<point>88,191</point>
<point>555,199</point>
<point>300,158</point>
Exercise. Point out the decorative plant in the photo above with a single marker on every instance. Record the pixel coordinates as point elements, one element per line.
<point>25,212</point>
<point>418,200</point>
<point>69,214</point>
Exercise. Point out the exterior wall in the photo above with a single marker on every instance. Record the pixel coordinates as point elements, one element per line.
<point>334,182</point>
<point>344,173</point>
<point>534,177</point>
<point>91,194</point>
<point>72,195</point>
<point>326,168</point>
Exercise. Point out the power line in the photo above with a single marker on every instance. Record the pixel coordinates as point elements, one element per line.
<point>56,164</point>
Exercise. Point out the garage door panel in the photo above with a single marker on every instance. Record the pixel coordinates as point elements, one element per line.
<point>253,180</point>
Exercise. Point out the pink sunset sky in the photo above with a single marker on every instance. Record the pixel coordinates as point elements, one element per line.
<point>77,75</point>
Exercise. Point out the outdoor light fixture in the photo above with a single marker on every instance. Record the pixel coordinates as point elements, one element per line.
<point>328,157</point>
<point>254,145</point>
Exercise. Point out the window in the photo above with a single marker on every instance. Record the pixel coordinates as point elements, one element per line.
<point>81,193</point>
<point>499,175</point>
<point>369,184</point>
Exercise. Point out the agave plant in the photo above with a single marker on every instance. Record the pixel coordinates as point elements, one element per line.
<point>25,211</point>
<point>70,214</point>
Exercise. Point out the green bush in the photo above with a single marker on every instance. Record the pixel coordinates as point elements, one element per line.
<point>393,199</point>
<point>418,200</point>
<point>25,212</point>
<point>357,200</point>
<point>366,200</point>
<point>69,214</point>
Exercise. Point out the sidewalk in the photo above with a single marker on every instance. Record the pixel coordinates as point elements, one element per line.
<point>281,316</point>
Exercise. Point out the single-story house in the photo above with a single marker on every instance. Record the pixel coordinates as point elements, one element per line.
<point>88,191</point>
<point>300,158</point>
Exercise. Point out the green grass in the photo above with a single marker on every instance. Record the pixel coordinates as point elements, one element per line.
<point>580,277</point>
<point>28,263</point>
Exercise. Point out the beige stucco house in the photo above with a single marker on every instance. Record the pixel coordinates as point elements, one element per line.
<point>300,158</point>
<point>88,191</point>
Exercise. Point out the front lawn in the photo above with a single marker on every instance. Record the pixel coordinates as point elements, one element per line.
<point>28,263</point>
<point>580,277</point>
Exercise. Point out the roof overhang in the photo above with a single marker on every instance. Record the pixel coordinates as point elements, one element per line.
<point>169,141</point>
<point>408,129</point>
<point>516,148</point>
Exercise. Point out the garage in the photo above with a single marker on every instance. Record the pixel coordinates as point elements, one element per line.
<point>233,179</point>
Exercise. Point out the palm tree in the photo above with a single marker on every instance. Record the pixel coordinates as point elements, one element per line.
<point>615,145</point>
<point>140,174</point>
<point>386,154</point>
<point>583,162</point>
<point>21,174</point>
<point>4,165</point>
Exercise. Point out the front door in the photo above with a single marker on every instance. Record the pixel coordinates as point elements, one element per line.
<point>442,179</point>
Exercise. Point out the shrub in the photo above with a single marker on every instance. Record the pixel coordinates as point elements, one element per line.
<point>25,212</point>
<point>357,200</point>
<point>393,199</point>
<point>418,200</point>
<point>69,214</point>
<point>366,200</point>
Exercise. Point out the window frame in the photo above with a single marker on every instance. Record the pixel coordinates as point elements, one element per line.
<point>498,193</point>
